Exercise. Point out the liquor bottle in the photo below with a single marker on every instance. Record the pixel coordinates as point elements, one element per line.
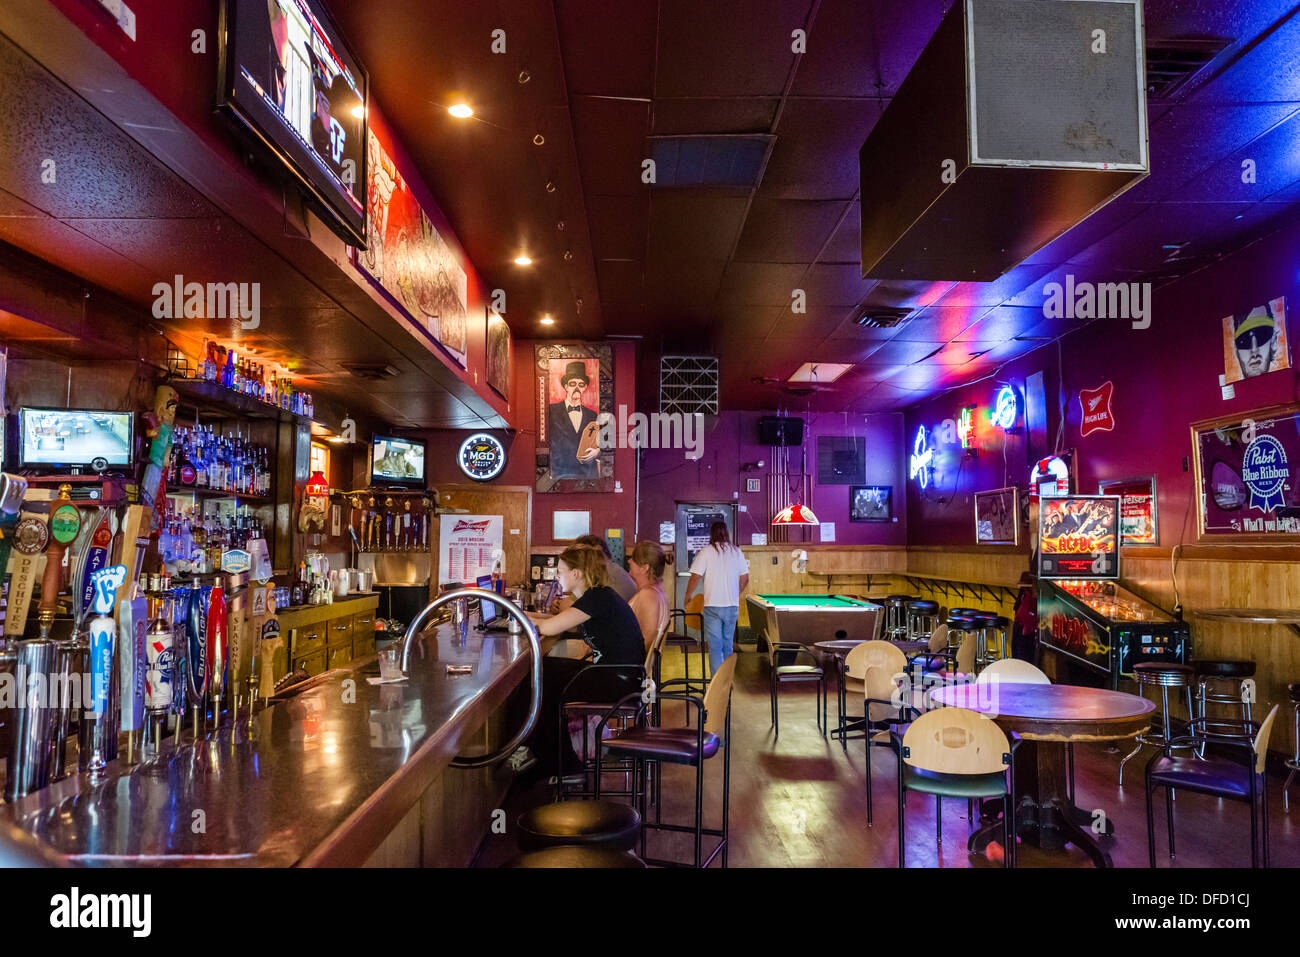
<point>228,370</point>
<point>201,461</point>
<point>204,360</point>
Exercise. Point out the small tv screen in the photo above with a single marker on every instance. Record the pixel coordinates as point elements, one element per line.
<point>397,461</point>
<point>75,437</point>
<point>290,79</point>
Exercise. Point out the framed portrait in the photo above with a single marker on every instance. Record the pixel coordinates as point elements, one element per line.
<point>498,355</point>
<point>1243,465</point>
<point>1255,343</point>
<point>1138,522</point>
<point>871,503</point>
<point>997,517</point>
<point>574,387</point>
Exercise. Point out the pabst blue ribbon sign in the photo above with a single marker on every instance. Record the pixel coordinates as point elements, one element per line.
<point>1265,471</point>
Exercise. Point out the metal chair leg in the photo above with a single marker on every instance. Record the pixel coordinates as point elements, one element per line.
<point>938,820</point>
<point>867,754</point>
<point>1129,757</point>
<point>1151,826</point>
<point>1169,816</point>
<point>1263,808</point>
<point>902,808</point>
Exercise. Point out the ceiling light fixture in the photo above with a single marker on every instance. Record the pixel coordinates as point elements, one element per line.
<point>522,260</point>
<point>547,320</point>
<point>795,515</point>
<point>461,111</point>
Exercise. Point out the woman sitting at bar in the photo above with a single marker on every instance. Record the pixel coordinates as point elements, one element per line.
<point>609,628</point>
<point>649,604</point>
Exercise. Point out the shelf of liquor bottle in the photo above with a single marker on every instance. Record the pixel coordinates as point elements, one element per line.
<point>214,397</point>
<point>217,493</point>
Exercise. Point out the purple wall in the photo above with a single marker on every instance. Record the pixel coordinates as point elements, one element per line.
<point>1165,377</point>
<point>731,441</point>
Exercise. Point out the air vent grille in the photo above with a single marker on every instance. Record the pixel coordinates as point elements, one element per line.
<point>1171,64</point>
<point>373,371</point>
<point>881,318</point>
<point>710,161</point>
<point>688,384</point>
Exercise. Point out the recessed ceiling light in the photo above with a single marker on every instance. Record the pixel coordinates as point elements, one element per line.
<point>547,320</point>
<point>522,260</point>
<point>461,111</point>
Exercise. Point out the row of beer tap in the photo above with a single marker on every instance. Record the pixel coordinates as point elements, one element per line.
<point>133,665</point>
<point>387,522</point>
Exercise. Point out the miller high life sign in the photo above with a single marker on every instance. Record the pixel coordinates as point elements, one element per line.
<point>1097,414</point>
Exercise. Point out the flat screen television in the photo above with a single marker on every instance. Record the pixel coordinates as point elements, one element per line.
<point>75,438</point>
<point>291,81</point>
<point>397,461</point>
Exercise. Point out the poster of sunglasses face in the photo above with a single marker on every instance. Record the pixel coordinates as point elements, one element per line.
<point>1255,342</point>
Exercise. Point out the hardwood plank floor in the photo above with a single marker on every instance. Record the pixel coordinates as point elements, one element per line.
<point>800,801</point>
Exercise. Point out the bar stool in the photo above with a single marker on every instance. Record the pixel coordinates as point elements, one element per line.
<point>985,629</point>
<point>896,617</point>
<point>1162,675</point>
<point>568,856</point>
<point>1293,762</point>
<point>598,824</point>
<point>922,615</point>
<point>1222,681</point>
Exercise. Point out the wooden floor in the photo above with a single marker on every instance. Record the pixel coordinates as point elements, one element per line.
<point>800,801</point>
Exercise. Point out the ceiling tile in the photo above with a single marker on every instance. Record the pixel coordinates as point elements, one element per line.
<point>687,116</point>
<point>786,230</point>
<point>726,47</point>
<point>816,152</point>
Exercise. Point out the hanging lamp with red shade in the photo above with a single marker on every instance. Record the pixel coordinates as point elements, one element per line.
<point>795,515</point>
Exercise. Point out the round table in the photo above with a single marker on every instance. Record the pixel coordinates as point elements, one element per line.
<point>1048,717</point>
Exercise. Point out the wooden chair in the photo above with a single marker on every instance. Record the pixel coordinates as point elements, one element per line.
<point>954,752</point>
<point>712,733</point>
<point>938,655</point>
<point>1221,777</point>
<point>781,672</point>
<point>1015,671</point>
<point>888,699</point>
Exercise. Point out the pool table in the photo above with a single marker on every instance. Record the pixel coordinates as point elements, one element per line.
<point>808,619</point>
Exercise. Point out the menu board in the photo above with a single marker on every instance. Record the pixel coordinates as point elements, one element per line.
<point>1243,472</point>
<point>1078,537</point>
<point>465,546</point>
<point>1137,510</point>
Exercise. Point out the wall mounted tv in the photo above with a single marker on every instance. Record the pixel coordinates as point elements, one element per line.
<point>289,79</point>
<point>397,461</point>
<point>75,438</point>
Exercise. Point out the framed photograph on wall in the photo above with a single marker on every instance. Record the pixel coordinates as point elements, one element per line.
<point>1138,523</point>
<point>498,355</point>
<point>997,517</point>
<point>574,387</point>
<point>871,503</point>
<point>1244,465</point>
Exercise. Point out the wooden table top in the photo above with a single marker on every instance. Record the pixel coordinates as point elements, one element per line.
<point>1053,712</point>
<point>1261,616</point>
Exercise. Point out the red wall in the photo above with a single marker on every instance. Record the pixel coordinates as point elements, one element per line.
<point>1165,377</point>
<point>731,441</point>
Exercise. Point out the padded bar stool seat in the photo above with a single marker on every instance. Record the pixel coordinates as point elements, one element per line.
<point>1163,675</point>
<point>1223,667</point>
<point>922,615</point>
<point>596,824</point>
<point>570,856</point>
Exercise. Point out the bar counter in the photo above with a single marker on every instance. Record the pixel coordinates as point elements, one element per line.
<point>338,774</point>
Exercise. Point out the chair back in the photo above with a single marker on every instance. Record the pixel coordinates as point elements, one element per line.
<point>656,646</point>
<point>717,696</point>
<point>956,741</point>
<point>694,609</point>
<point>939,638</point>
<point>883,662</point>
<point>1012,671</point>
<point>1261,741</point>
<point>965,662</point>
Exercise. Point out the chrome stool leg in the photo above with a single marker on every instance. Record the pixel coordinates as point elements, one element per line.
<point>1294,763</point>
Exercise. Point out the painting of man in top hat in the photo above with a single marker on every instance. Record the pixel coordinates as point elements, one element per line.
<point>576,386</point>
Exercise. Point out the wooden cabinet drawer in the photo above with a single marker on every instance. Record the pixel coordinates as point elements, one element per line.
<point>309,639</point>
<point>363,644</point>
<point>340,631</point>
<point>340,656</point>
<point>313,664</point>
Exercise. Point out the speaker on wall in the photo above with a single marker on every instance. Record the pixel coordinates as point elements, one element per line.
<point>779,430</point>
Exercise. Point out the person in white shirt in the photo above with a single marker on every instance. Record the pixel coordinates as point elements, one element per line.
<point>724,571</point>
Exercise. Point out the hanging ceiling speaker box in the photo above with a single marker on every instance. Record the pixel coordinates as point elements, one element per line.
<point>1019,119</point>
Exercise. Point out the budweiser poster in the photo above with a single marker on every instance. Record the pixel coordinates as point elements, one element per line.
<point>1137,510</point>
<point>465,546</point>
<point>1078,537</point>
<point>1245,468</point>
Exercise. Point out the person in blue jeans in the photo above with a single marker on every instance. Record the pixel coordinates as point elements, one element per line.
<point>723,571</point>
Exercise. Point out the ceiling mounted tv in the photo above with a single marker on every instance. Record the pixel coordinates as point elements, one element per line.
<point>75,438</point>
<point>397,461</point>
<point>291,81</point>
